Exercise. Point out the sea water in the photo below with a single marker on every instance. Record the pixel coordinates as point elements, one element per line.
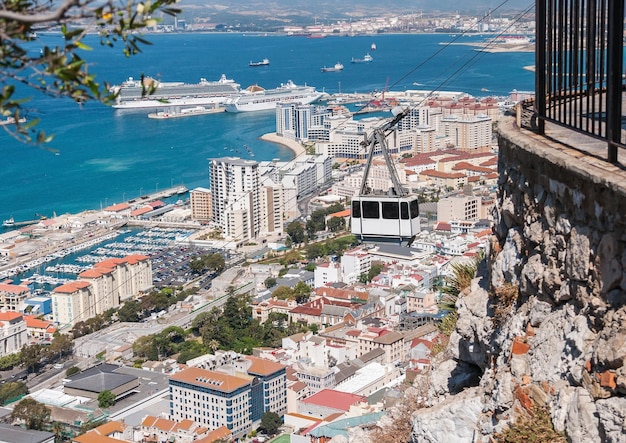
<point>100,156</point>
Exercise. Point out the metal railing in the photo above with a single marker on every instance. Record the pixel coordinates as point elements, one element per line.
<point>579,77</point>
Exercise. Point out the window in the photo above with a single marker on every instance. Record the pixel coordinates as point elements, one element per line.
<point>371,209</point>
<point>356,209</point>
<point>415,210</point>
<point>404,211</point>
<point>391,210</point>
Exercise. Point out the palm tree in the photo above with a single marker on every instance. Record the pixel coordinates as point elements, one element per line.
<point>57,429</point>
<point>214,345</point>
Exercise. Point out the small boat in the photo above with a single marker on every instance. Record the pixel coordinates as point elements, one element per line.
<point>366,59</point>
<point>8,222</point>
<point>336,68</point>
<point>11,121</point>
<point>264,62</point>
<point>373,47</point>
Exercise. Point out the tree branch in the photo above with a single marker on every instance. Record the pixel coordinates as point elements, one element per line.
<point>52,16</point>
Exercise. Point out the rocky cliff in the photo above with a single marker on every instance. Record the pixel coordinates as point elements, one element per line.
<point>544,323</point>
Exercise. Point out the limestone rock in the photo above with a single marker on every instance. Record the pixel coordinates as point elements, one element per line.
<point>539,310</point>
<point>609,264</point>
<point>610,349</point>
<point>508,263</point>
<point>561,346</point>
<point>581,423</point>
<point>577,255</point>
<point>453,420</point>
<point>612,417</point>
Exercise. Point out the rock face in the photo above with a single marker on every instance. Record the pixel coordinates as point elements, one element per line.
<point>544,324</point>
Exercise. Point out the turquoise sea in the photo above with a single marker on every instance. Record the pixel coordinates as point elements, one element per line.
<point>105,156</point>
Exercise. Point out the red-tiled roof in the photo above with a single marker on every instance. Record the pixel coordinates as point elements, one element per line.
<point>140,211</point>
<point>440,174</point>
<point>34,322</point>
<point>261,366</point>
<point>334,399</point>
<point>71,287</point>
<point>13,289</point>
<point>10,315</point>
<point>118,207</point>
<point>211,379</point>
<point>344,213</point>
<point>221,433</point>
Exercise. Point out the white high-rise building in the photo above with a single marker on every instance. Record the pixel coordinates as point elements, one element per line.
<point>235,200</point>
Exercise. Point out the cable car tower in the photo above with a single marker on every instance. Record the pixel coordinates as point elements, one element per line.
<point>391,217</point>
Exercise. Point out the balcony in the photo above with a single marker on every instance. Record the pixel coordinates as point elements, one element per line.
<point>579,93</point>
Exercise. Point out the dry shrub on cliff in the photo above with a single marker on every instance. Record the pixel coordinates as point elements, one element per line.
<point>533,427</point>
<point>503,300</point>
<point>396,427</point>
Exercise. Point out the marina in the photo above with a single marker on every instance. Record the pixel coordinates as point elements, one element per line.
<point>65,264</point>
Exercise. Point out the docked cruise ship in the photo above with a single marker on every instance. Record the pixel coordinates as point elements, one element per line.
<point>131,94</point>
<point>256,98</point>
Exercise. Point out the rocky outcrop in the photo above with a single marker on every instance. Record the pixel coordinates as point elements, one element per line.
<point>544,324</point>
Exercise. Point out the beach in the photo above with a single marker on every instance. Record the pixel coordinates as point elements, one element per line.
<point>293,145</point>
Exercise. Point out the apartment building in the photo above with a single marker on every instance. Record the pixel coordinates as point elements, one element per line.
<point>13,297</point>
<point>234,396</point>
<point>235,200</point>
<point>462,207</point>
<point>12,332</point>
<point>200,202</point>
<point>107,285</point>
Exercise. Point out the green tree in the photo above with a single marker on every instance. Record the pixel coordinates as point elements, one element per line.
<point>106,399</point>
<point>295,231</point>
<point>336,224</point>
<point>130,311</point>
<point>302,292</point>
<point>11,390</point>
<point>72,370</point>
<point>215,262</point>
<point>315,250</point>
<point>283,293</point>
<point>30,356</point>
<point>9,361</point>
<point>33,414</point>
<point>335,207</point>
<point>60,346</point>
<point>270,422</point>
<point>270,282</point>
<point>60,71</point>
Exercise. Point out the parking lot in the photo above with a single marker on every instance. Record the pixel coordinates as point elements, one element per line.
<point>170,267</point>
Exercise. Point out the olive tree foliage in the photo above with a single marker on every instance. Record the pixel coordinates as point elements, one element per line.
<point>61,71</point>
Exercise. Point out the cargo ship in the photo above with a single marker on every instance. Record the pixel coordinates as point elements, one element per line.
<point>133,94</point>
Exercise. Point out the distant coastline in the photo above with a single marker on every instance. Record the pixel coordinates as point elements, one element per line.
<point>293,145</point>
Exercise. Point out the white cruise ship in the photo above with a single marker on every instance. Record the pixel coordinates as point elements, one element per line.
<point>255,98</point>
<point>132,95</point>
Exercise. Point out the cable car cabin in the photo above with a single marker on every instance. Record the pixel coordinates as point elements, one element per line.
<point>381,217</point>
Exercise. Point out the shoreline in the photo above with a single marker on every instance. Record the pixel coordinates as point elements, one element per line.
<point>292,145</point>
